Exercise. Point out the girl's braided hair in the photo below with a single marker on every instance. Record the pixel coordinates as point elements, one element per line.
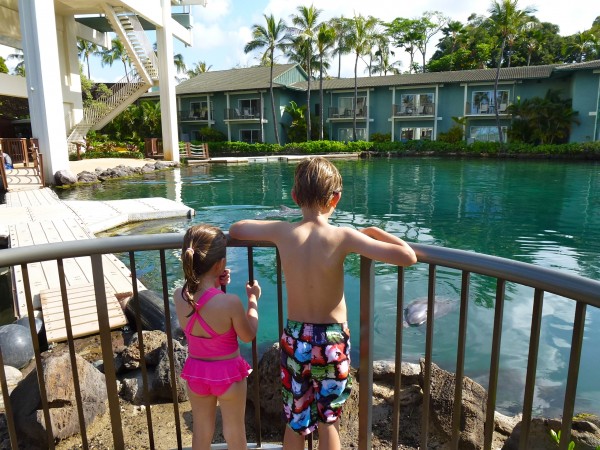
<point>203,246</point>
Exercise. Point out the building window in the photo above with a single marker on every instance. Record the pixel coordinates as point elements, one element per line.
<point>415,104</point>
<point>486,134</point>
<point>199,110</point>
<point>483,102</point>
<point>345,134</point>
<point>345,105</point>
<point>250,136</point>
<point>249,107</point>
<point>407,134</point>
<point>416,133</point>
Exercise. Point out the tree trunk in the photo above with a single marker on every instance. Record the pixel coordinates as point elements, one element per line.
<point>321,118</point>
<point>275,123</point>
<point>308,99</point>
<point>355,98</point>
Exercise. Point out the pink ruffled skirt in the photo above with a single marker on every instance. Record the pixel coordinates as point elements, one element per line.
<point>214,377</point>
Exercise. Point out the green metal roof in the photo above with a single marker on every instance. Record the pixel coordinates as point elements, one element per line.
<point>245,79</point>
<point>462,76</point>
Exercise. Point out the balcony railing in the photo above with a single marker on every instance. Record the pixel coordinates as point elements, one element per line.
<point>584,292</point>
<point>411,110</point>
<point>242,114</point>
<point>187,115</point>
<point>486,109</point>
<point>348,113</point>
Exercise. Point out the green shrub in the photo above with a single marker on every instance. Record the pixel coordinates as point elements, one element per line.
<point>208,134</point>
<point>381,137</point>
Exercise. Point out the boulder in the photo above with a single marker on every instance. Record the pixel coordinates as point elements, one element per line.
<point>64,177</point>
<point>153,341</point>
<point>584,434</point>
<point>57,377</point>
<point>87,177</point>
<point>474,398</point>
<point>161,383</point>
<point>13,377</point>
<point>16,345</point>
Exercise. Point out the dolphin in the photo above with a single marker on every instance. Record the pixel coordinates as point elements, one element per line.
<point>415,313</point>
<point>282,212</point>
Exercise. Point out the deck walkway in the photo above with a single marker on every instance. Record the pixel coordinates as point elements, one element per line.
<point>38,216</point>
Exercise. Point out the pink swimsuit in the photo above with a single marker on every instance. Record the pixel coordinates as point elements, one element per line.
<point>206,377</point>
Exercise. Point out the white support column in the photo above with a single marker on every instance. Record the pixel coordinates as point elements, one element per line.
<point>72,96</point>
<point>40,48</point>
<point>209,113</point>
<point>368,114</point>
<point>435,112</point>
<point>228,116</point>
<point>260,115</point>
<point>166,73</point>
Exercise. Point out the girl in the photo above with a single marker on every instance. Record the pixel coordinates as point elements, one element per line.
<point>212,322</point>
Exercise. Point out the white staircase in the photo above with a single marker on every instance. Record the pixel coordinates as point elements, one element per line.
<point>123,93</point>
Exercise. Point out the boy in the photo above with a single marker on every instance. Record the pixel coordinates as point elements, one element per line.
<point>315,344</point>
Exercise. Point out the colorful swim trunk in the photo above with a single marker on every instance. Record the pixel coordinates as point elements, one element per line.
<point>315,373</point>
<point>214,377</point>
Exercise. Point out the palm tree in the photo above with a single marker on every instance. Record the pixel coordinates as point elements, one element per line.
<point>199,67</point>
<point>508,21</point>
<point>272,37</point>
<point>360,42</point>
<point>86,48</point>
<point>305,30</point>
<point>117,52</point>
<point>325,41</point>
<point>341,26</point>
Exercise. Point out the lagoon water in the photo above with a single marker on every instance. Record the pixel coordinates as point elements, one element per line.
<point>541,212</point>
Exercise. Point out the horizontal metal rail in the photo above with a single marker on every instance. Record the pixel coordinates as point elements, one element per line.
<point>582,290</point>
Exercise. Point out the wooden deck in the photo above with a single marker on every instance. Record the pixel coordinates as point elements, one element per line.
<point>34,217</point>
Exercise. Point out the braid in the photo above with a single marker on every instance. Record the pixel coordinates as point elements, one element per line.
<point>203,246</point>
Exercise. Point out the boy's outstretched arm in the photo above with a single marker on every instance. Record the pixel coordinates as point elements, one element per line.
<point>399,253</point>
<point>253,230</point>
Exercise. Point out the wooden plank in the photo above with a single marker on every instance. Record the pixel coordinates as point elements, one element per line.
<point>82,310</point>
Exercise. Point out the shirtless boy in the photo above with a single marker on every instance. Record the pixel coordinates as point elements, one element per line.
<point>315,343</point>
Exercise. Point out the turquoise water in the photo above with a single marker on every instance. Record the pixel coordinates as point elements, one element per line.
<point>546,213</point>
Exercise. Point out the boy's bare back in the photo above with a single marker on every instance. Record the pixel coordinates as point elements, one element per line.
<point>313,251</point>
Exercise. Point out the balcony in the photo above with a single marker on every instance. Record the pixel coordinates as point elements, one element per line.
<point>346,114</point>
<point>195,115</point>
<point>583,292</point>
<point>243,114</point>
<point>411,110</point>
<point>486,109</point>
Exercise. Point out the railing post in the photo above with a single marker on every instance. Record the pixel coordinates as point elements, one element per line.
<point>365,398</point>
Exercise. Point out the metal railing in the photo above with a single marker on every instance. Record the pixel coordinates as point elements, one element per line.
<point>581,290</point>
<point>347,113</point>
<point>403,110</point>
<point>242,113</point>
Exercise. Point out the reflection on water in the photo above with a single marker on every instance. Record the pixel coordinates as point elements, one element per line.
<point>545,213</point>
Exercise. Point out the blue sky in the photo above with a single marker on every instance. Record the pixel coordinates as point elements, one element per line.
<point>223,27</point>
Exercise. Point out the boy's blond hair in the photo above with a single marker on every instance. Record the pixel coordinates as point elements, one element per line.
<point>316,180</point>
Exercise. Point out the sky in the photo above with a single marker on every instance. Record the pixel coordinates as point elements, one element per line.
<point>223,27</point>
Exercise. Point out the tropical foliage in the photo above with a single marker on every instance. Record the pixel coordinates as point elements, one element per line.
<point>541,121</point>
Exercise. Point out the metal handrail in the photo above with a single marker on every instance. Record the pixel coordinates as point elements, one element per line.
<point>582,290</point>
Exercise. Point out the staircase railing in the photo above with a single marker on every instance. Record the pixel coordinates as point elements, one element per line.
<point>131,33</point>
<point>143,49</point>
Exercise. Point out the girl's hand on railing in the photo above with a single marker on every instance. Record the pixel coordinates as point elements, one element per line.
<point>224,279</point>
<point>253,289</point>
